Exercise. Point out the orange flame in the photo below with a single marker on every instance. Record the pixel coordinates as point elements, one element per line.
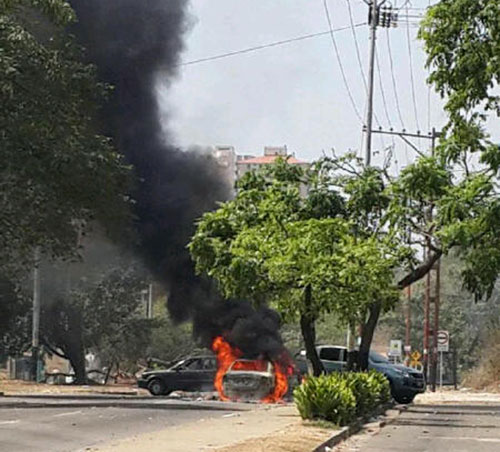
<point>226,355</point>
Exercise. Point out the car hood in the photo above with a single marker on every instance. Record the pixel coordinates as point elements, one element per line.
<point>389,366</point>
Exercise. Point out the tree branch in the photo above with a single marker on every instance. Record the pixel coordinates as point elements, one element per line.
<point>53,350</point>
<point>419,272</point>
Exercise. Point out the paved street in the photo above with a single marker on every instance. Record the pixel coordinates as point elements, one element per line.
<point>70,424</point>
<point>435,428</point>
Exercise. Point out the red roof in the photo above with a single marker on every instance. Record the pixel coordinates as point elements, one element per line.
<point>269,159</point>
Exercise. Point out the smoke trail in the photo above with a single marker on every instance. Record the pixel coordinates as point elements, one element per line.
<point>133,43</point>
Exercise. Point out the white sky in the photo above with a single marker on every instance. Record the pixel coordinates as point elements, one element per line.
<point>291,94</point>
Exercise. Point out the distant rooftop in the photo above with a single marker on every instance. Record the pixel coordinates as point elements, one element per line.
<point>270,159</point>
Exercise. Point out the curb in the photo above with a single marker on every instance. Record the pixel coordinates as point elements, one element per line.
<point>82,396</point>
<point>357,426</point>
<point>140,405</point>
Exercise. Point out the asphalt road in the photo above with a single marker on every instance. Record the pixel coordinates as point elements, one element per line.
<point>79,423</point>
<point>436,428</point>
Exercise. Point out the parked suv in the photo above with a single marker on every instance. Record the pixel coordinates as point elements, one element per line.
<point>405,382</point>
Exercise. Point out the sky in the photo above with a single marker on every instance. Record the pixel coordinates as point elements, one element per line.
<point>294,94</point>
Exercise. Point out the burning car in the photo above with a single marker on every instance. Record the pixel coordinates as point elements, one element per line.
<point>249,380</point>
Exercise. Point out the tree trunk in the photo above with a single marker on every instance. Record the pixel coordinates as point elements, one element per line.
<point>76,358</point>
<point>367,335</point>
<point>307,326</point>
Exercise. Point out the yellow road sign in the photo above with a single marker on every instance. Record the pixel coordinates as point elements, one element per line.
<point>416,355</point>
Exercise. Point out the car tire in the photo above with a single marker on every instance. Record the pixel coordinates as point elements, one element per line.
<point>403,399</point>
<point>156,387</point>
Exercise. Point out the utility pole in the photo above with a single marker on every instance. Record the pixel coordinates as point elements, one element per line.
<point>371,73</point>
<point>35,334</point>
<point>408,324</point>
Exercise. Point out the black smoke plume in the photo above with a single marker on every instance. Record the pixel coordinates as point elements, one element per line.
<point>136,43</point>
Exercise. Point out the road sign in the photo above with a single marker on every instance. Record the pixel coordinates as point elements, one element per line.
<point>415,361</point>
<point>395,348</point>
<point>407,348</point>
<point>443,341</point>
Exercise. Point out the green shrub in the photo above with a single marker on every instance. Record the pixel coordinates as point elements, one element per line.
<point>340,397</point>
<point>381,386</point>
<point>364,389</point>
<point>326,397</point>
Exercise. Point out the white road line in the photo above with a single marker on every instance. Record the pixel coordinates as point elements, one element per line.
<point>66,414</point>
<point>462,438</point>
<point>10,422</point>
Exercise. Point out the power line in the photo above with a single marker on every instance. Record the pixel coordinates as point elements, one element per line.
<point>413,94</point>
<point>391,60</point>
<point>428,92</point>
<point>358,54</point>
<point>339,60</point>
<point>382,92</point>
<point>266,46</point>
<point>356,44</point>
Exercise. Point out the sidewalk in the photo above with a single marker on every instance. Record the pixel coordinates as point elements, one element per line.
<point>21,388</point>
<point>270,428</point>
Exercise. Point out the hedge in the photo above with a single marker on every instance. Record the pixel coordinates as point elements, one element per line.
<point>341,397</point>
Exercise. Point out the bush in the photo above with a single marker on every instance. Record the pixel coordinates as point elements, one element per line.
<point>326,397</point>
<point>364,389</point>
<point>340,397</point>
<point>381,386</point>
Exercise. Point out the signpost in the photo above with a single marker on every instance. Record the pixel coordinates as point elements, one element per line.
<point>443,343</point>
<point>395,348</point>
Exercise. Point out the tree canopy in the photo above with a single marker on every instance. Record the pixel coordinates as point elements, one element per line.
<point>303,255</point>
<point>57,173</point>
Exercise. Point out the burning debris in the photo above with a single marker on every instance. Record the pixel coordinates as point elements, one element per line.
<point>135,44</point>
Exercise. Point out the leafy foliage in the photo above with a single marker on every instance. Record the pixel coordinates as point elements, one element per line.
<point>269,244</point>
<point>106,317</point>
<point>57,173</point>
<point>341,397</point>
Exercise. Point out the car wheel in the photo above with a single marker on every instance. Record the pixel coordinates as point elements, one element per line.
<point>156,387</point>
<point>404,399</point>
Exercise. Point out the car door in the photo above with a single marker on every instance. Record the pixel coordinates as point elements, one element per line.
<point>208,373</point>
<point>193,374</point>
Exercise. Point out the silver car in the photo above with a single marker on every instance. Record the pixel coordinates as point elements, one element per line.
<point>249,380</point>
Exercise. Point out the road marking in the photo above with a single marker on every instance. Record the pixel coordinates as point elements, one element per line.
<point>66,414</point>
<point>10,422</point>
<point>463,438</point>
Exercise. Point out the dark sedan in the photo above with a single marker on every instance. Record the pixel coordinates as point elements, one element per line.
<point>190,374</point>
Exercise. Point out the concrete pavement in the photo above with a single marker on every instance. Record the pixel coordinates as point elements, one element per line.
<point>58,424</point>
<point>435,428</point>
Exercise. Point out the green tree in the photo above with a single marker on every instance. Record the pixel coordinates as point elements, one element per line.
<point>57,174</point>
<point>301,255</point>
<point>106,316</point>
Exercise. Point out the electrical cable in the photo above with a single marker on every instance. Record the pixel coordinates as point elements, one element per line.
<point>382,92</point>
<point>339,60</point>
<point>396,97</point>
<point>358,55</point>
<point>413,94</point>
<point>266,46</point>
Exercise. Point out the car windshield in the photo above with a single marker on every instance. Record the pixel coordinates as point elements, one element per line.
<point>376,358</point>
<point>179,364</point>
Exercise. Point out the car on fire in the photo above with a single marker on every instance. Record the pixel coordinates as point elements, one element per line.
<point>190,374</point>
<point>249,380</point>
